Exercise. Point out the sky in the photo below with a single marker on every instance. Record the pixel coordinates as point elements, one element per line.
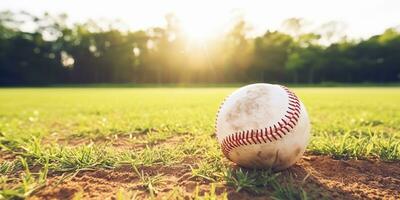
<point>362,18</point>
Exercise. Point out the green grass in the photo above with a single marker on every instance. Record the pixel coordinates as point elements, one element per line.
<point>150,183</point>
<point>347,123</point>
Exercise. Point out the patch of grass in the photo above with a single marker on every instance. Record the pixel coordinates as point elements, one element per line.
<point>288,190</point>
<point>211,170</point>
<point>8,166</point>
<point>83,157</point>
<point>254,181</point>
<point>148,182</point>
<point>357,145</point>
<point>25,185</point>
<point>258,181</point>
<point>152,155</point>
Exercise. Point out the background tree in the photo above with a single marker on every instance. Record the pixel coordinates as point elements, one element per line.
<point>45,50</point>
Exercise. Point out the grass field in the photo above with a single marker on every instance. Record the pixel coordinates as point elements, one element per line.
<point>139,143</point>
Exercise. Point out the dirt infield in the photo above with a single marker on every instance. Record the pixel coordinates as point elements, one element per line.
<point>320,176</point>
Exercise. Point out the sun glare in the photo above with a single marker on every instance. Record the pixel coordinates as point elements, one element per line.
<point>200,26</point>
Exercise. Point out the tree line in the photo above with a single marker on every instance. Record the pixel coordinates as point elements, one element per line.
<point>46,50</point>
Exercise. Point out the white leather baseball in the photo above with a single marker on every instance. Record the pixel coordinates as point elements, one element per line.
<point>263,126</point>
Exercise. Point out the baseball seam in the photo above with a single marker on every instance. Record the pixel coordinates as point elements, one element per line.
<point>268,134</point>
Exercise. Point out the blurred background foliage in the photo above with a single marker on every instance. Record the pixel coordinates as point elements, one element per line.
<point>52,52</point>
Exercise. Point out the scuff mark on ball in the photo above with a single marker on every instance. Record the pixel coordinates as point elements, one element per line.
<point>245,108</point>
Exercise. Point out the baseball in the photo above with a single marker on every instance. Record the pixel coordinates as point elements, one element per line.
<point>263,126</point>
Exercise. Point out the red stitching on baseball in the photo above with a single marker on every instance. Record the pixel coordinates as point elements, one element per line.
<point>237,139</point>
<point>247,137</point>
<point>262,137</point>
<point>231,142</point>
<point>266,134</point>
<point>272,133</point>
<point>258,137</point>
<point>252,136</point>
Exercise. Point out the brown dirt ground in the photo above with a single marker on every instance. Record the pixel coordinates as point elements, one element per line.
<point>321,176</point>
<point>126,141</point>
<point>6,156</point>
